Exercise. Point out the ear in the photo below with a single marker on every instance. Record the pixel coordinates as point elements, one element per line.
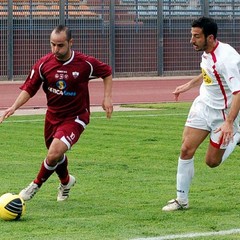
<point>71,42</point>
<point>211,38</point>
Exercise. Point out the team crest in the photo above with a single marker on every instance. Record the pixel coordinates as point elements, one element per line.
<point>75,74</point>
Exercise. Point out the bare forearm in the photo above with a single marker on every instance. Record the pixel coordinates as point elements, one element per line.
<point>21,100</point>
<point>235,108</point>
<point>108,86</point>
<point>107,100</point>
<point>196,81</point>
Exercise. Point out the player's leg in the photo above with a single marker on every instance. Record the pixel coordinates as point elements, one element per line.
<point>67,180</point>
<point>62,170</point>
<point>48,166</point>
<point>236,139</point>
<point>214,155</point>
<point>231,146</point>
<point>69,133</point>
<point>217,152</point>
<point>195,131</point>
<point>56,150</point>
<point>192,138</point>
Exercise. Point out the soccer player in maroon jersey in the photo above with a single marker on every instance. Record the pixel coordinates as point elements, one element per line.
<point>64,75</point>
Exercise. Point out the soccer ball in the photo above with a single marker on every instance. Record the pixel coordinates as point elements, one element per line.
<point>12,207</point>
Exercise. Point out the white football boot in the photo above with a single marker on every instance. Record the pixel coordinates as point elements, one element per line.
<point>63,190</point>
<point>174,205</point>
<point>28,192</point>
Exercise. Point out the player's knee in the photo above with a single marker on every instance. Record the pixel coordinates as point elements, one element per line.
<point>51,162</point>
<point>187,152</point>
<point>53,158</point>
<point>212,163</point>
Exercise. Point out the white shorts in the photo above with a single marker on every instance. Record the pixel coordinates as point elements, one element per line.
<point>201,116</point>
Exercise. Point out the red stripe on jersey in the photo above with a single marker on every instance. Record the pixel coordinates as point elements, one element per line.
<point>224,116</point>
<point>219,78</point>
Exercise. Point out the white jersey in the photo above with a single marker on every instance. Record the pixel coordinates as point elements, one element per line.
<point>221,76</point>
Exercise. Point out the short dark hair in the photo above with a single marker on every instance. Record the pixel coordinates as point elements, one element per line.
<point>62,28</point>
<point>208,26</point>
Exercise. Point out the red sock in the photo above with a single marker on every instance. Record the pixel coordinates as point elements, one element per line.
<point>62,170</point>
<point>44,173</point>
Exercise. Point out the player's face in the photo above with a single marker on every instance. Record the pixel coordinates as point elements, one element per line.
<point>198,39</point>
<point>60,46</point>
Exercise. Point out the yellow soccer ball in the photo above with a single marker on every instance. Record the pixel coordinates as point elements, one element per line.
<point>12,207</point>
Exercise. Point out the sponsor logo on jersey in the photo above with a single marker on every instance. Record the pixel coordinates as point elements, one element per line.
<point>60,89</point>
<point>206,79</point>
<point>61,85</point>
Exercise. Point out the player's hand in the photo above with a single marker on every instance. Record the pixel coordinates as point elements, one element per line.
<point>7,113</point>
<point>178,90</point>
<point>107,106</point>
<point>226,135</point>
<point>176,95</point>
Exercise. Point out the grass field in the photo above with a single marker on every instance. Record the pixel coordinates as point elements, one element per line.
<point>125,170</point>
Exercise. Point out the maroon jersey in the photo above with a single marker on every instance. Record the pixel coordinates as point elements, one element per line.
<point>66,84</point>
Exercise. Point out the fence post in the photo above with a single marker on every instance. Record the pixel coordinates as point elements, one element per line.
<point>160,38</point>
<point>112,35</point>
<point>62,12</point>
<point>10,41</point>
<point>205,8</point>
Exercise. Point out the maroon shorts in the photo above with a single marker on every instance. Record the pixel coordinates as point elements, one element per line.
<point>69,131</point>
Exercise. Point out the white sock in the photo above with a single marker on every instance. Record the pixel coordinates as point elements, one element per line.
<point>185,174</point>
<point>231,146</point>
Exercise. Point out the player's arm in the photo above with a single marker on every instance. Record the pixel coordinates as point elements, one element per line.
<point>227,128</point>
<point>196,81</point>
<point>235,108</point>
<point>21,99</point>
<point>107,99</point>
<point>104,71</point>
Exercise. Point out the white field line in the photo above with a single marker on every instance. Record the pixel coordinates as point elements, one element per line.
<point>192,235</point>
<point>103,117</point>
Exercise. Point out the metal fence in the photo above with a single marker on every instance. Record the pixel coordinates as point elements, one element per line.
<point>136,37</point>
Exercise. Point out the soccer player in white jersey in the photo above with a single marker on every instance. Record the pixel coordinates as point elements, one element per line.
<point>214,112</point>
